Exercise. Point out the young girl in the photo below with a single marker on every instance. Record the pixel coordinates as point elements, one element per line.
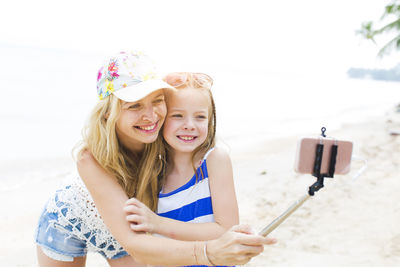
<point>199,185</point>
<point>120,158</point>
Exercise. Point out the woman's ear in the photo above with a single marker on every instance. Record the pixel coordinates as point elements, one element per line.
<point>106,115</point>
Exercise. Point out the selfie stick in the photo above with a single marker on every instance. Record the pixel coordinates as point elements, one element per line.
<point>312,189</point>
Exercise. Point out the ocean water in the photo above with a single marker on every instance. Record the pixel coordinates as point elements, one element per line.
<point>270,105</point>
<point>47,95</point>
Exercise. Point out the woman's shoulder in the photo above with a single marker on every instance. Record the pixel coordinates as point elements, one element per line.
<point>87,165</point>
<point>86,161</point>
<point>84,157</point>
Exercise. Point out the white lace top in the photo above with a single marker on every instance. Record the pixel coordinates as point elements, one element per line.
<point>77,212</point>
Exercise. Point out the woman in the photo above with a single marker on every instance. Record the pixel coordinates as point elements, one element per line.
<point>122,157</point>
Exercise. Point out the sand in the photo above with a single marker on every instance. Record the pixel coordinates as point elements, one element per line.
<point>347,223</point>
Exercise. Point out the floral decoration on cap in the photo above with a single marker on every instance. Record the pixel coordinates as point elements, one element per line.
<point>124,70</point>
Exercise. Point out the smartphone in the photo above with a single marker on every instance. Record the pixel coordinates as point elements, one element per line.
<point>306,150</point>
<point>304,163</point>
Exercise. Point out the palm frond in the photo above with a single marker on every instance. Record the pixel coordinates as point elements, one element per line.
<point>386,49</point>
<point>393,9</point>
<point>393,25</point>
<point>369,32</point>
<point>366,31</point>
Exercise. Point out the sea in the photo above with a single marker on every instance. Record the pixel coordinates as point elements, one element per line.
<point>47,95</point>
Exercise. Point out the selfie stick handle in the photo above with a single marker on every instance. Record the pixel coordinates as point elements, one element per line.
<point>275,223</point>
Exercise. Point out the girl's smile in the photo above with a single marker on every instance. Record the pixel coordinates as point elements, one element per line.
<point>186,125</point>
<point>187,138</point>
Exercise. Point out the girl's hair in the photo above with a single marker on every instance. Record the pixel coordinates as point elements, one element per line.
<point>137,173</point>
<point>192,82</point>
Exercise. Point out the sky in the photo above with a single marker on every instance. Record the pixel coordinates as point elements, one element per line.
<point>273,62</point>
<point>275,36</point>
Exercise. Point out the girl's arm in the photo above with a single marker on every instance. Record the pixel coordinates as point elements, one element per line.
<point>231,249</point>
<point>224,204</point>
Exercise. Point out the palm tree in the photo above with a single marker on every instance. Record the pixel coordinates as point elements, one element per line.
<point>369,32</point>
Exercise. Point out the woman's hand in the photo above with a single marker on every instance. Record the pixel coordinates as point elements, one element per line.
<point>141,218</point>
<point>237,246</point>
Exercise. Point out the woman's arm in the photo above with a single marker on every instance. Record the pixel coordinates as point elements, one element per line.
<point>231,249</point>
<point>224,204</point>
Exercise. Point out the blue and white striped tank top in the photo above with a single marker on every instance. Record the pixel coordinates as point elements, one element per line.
<point>191,202</point>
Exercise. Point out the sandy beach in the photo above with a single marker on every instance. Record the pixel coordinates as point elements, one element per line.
<point>281,71</point>
<point>347,223</point>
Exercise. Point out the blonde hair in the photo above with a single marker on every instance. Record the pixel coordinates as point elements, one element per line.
<point>201,150</point>
<point>137,173</point>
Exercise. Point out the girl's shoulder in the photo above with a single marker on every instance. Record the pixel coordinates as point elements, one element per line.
<point>217,155</point>
<point>219,165</point>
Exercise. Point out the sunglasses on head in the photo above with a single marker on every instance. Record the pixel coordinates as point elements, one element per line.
<point>177,79</point>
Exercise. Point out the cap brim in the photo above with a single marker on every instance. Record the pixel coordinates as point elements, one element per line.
<point>138,91</point>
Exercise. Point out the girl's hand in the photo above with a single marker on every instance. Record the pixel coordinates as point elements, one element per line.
<point>237,246</point>
<point>142,219</point>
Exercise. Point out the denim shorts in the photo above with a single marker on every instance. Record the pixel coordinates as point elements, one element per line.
<point>59,243</point>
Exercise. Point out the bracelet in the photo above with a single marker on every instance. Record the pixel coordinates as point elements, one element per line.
<point>205,254</point>
<point>194,253</point>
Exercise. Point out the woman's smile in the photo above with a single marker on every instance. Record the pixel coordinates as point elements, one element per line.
<point>151,128</point>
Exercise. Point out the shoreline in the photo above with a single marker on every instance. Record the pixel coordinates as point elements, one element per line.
<point>346,223</point>
<point>349,223</point>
